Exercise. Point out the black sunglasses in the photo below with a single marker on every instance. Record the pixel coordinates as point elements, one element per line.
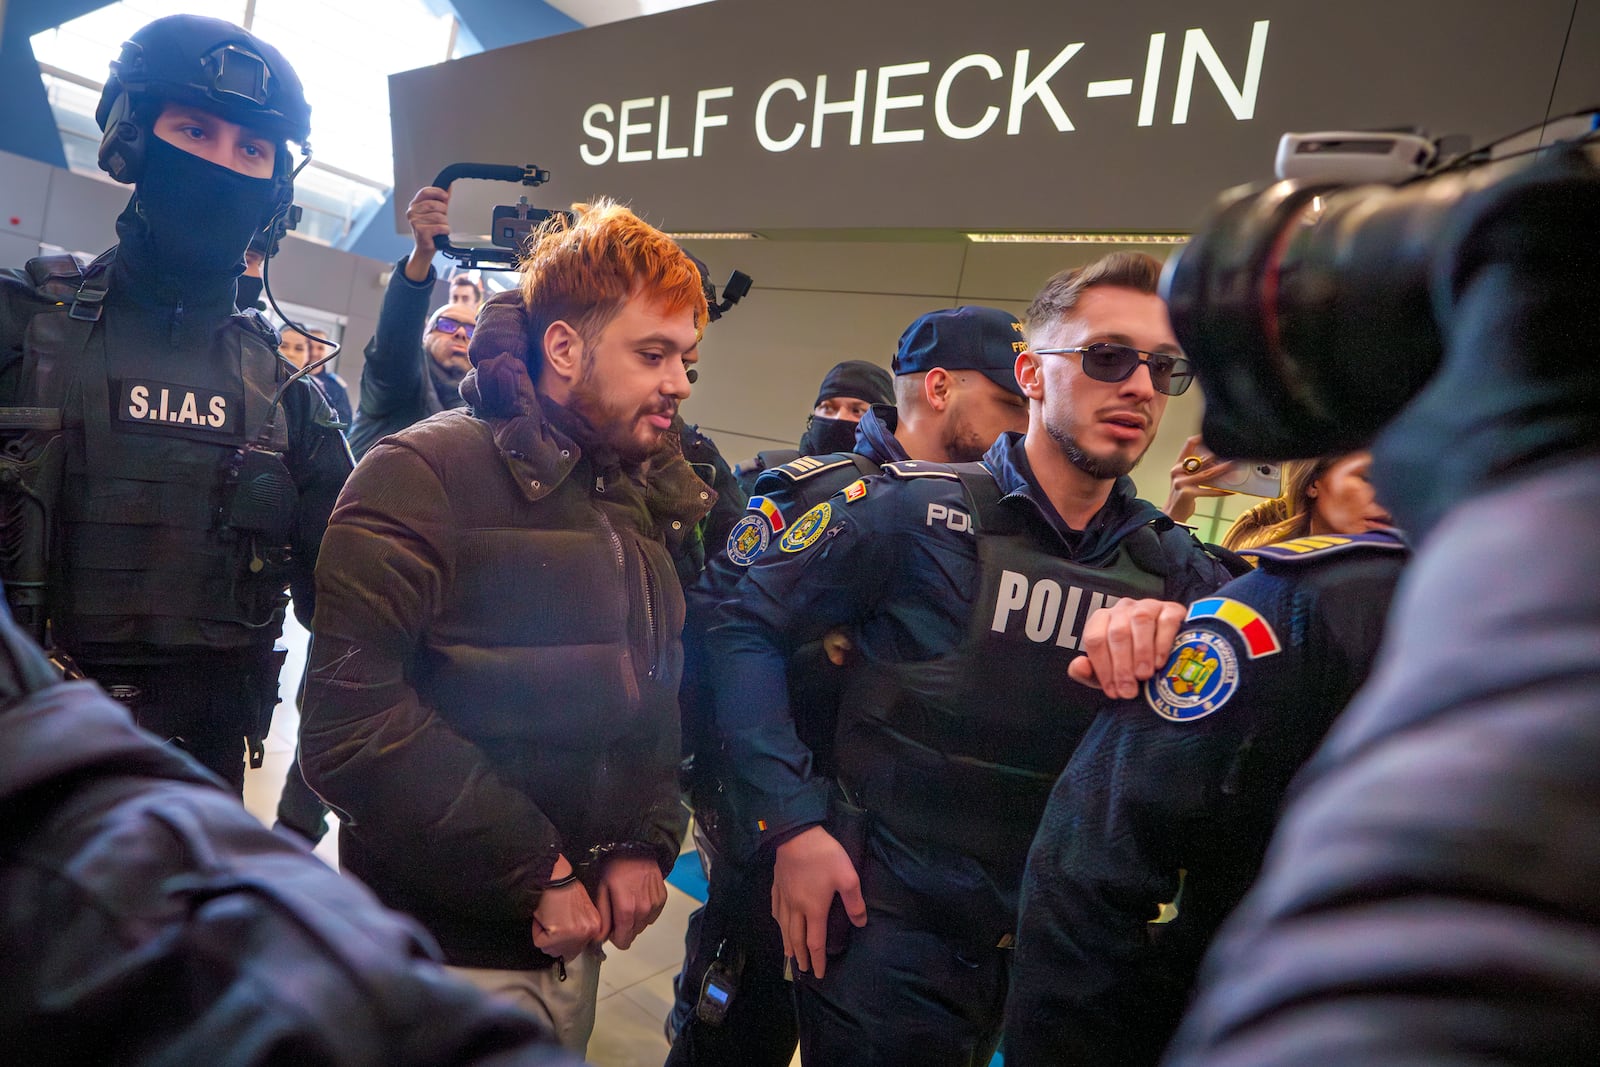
<point>446,325</point>
<point>1108,362</point>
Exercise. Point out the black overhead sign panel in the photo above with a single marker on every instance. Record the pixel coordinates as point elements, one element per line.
<point>1020,115</point>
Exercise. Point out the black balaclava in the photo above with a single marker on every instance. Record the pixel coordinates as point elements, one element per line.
<point>854,377</point>
<point>826,436</point>
<point>198,216</point>
<point>250,293</point>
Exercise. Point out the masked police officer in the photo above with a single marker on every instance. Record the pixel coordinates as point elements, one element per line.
<point>848,391</point>
<point>955,392</point>
<point>186,478</point>
<point>964,590</point>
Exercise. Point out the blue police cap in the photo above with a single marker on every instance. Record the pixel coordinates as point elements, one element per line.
<point>982,339</point>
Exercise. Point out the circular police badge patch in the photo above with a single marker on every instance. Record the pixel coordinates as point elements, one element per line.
<point>1197,679</point>
<point>749,538</point>
<point>807,530</point>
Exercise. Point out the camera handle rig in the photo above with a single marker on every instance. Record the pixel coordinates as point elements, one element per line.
<point>512,223</point>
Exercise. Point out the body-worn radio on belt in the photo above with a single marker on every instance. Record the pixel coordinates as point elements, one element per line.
<point>720,986</point>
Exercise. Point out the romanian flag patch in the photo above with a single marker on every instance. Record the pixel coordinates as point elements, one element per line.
<point>770,510</point>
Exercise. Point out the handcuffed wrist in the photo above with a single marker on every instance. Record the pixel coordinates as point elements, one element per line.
<point>560,883</point>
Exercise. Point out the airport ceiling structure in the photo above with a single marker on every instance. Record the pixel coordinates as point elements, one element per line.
<point>54,54</point>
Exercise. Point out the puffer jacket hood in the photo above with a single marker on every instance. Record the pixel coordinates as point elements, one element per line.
<point>542,441</point>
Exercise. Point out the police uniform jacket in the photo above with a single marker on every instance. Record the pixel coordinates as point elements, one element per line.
<point>712,531</point>
<point>496,659</point>
<point>783,494</point>
<point>398,385</point>
<point>1429,896</point>
<point>895,561</point>
<point>336,392</point>
<point>159,395</point>
<point>1188,778</point>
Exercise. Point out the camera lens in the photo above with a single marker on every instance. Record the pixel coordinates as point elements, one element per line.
<point>1305,309</point>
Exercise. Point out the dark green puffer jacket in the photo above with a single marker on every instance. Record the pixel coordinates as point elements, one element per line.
<point>496,660</point>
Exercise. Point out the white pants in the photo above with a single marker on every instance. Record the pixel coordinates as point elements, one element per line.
<point>566,1007</point>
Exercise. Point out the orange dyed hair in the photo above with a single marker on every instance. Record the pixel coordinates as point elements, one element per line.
<point>583,271</point>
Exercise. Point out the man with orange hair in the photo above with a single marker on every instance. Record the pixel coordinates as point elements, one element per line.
<point>492,700</point>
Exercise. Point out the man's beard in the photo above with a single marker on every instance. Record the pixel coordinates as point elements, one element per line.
<point>962,444</point>
<point>615,429</point>
<point>1108,468</point>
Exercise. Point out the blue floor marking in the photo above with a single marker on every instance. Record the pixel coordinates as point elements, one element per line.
<point>687,876</point>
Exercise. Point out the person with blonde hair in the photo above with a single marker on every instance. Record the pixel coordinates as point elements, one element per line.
<point>1325,495</point>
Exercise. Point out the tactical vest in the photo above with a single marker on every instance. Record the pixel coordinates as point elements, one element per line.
<point>960,752</point>
<point>176,508</point>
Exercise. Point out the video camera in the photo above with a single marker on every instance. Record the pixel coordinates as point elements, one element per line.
<point>1314,310</point>
<point>513,224</point>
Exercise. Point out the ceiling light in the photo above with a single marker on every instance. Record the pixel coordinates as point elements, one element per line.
<point>709,236</point>
<point>1079,238</point>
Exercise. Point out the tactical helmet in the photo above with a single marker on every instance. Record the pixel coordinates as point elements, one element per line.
<point>206,62</point>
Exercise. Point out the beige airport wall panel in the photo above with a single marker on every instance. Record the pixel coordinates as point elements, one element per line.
<point>314,275</point>
<point>81,215</point>
<point>357,332</point>
<point>1015,272</point>
<point>760,365</point>
<point>24,190</point>
<point>901,268</point>
<point>15,249</point>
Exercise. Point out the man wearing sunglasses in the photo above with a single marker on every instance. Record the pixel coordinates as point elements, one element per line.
<point>964,590</point>
<point>401,382</point>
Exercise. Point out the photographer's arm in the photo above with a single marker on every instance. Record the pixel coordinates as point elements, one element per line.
<point>393,374</point>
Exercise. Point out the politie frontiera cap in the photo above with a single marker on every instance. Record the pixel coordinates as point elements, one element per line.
<point>983,339</point>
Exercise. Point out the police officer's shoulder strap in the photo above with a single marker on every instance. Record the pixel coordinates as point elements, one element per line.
<point>805,467</point>
<point>1172,552</point>
<point>983,497</point>
<point>978,487</point>
<point>1236,564</point>
<point>1303,551</point>
<point>257,323</point>
<point>63,278</point>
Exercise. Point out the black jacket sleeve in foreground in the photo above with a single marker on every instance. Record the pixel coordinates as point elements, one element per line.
<point>147,918</point>
<point>394,377</point>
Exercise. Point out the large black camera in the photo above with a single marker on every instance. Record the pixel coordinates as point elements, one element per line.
<point>1314,311</point>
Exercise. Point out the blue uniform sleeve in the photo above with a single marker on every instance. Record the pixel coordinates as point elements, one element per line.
<point>1143,798</point>
<point>826,571</point>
